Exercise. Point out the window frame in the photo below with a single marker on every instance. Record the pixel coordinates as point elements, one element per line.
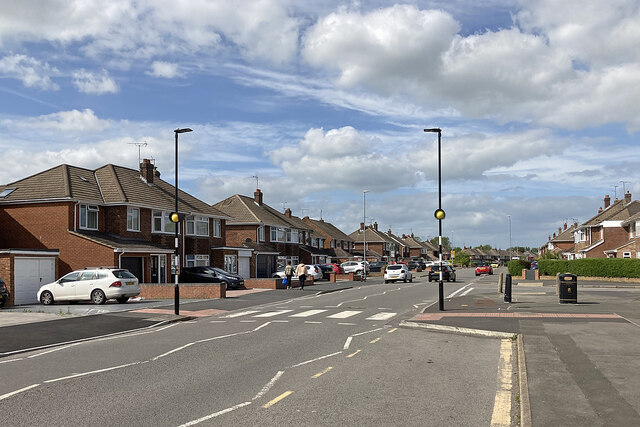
<point>217,227</point>
<point>260,233</point>
<point>131,217</point>
<point>194,224</point>
<point>231,263</point>
<point>85,211</point>
<point>164,222</point>
<point>196,260</point>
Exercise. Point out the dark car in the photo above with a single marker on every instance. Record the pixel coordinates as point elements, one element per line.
<point>534,265</point>
<point>377,266</point>
<point>211,275</point>
<point>448,273</point>
<point>4,293</point>
<point>413,265</point>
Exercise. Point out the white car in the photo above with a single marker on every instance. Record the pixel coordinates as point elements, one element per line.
<point>397,272</point>
<point>91,284</point>
<point>355,267</point>
<point>313,270</point>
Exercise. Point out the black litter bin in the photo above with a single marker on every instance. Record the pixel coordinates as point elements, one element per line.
<point>568,292</point>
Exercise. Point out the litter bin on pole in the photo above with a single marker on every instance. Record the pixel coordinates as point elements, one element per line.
<point>568,292</point>
<point>507,288</point>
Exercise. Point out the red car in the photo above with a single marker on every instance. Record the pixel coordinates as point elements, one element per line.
<point>332,267</point>
<point>483,269</point>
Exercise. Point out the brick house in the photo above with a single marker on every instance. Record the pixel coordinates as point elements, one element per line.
<point>603,234</point>
<point>630,248</point>
<point>379,245</point>
<point>110,216</point>
<point>274,238</point>
<point>416,249</point>
<point>561,243</point>
<point>402,251</point>
<point>338,244</point>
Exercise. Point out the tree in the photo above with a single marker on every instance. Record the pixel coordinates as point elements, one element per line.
<point>462,259</point>
<point>446,244</point>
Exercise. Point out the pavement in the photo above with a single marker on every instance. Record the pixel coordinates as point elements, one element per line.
<point>579,363</point>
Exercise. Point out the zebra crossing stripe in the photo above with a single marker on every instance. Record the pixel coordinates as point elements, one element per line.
<point>381,316</point>
<point>343,314</point>
<point>242,313</point>
<point>308,313</point>
<point>273,313</point>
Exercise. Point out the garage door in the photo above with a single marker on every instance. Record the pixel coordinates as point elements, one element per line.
<point>29,275</point>
<point>244,269</point>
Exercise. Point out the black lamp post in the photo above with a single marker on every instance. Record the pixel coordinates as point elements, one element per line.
<point>175,217</point>
<point>439,214</point>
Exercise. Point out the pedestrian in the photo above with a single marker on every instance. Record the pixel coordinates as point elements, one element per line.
<point>301,272</point>
<point>288,271</point>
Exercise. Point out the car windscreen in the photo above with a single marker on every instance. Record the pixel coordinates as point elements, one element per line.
<point>123,274</point>
<point>221,271</point>
<point>394,267</point>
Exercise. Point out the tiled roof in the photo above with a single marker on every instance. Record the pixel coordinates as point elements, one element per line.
<point>116,242</point>
<point>246,210</point>
<point>566,235</point>
<point>395,239</point>
<point>412,242</point>
<point>373,235</point>
<point>618,211</point>
<point>328,229</point>
<point>109,184</point>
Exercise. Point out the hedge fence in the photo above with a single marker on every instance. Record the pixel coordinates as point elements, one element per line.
<point>588,267</point>
<point>516,266</point>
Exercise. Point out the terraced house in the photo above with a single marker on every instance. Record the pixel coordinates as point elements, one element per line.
<point>110,216</point>
<point>378,245</point>
<point>336,242</point>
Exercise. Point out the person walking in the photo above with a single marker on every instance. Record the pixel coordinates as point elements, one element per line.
<point>301,272</point>
<point>288,271</point>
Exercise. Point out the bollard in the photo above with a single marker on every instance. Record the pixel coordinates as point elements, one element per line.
<point>557,283</point>
<point>507,288</point>
<point>500,282</point>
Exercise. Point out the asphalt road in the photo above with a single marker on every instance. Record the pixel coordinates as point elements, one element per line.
<point>336,358</point>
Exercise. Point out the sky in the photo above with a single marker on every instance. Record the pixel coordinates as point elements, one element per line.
<point>538,102</point>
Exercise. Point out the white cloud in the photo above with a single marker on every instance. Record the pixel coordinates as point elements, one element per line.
<point>167,70</point>
<point>32,72</point>
<point>65,121</point>
<point>94,84</point>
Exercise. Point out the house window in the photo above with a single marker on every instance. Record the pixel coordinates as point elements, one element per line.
<point>197,260</point>
<point>626,254</point>
<point>197,226</point>
<point>6,192</point>
<point>89,217</point>
<point>284,260</point>
<point>333,243</point>
<point>261,233</point>
<point>133,219</point>
<point>230,263</point>
<point>274,234</point>
<point>217,228</point>
<point>281,234</point>
<point>162,223</point>
<point>292,236</point>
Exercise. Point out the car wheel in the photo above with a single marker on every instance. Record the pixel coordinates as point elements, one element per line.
<point>386,281</point>
<point>448,279</point>
<point>411,280</point>
<point>46,298</point>
<point>122,300</point>
<point>405,279</point>
<point>359,272</point>
<point>98,297</point>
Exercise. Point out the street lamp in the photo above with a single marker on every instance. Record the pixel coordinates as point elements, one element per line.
<point>440,215</point>
<point>510,247</point>
<point>176,217</point>
<point>364,220</point>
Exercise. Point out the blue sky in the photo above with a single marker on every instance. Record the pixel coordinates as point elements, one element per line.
<point>538,103</point>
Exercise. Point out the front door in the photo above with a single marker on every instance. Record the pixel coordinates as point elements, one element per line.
<point>158,269</point>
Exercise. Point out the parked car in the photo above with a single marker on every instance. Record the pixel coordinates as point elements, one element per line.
<point>334,267</point>
<point>448,273</point>
<point>397,272</point>
<point>4,293</point>
<point>355,267</point>
<point>377,266</point>
<point>91,284</point>
<point>412,265</point>
<point>209,274</point>
<point>483,269</point>
<point>313,270</point>
<point>429,264</point>
<point>495,264</point>
<point>534,265</point>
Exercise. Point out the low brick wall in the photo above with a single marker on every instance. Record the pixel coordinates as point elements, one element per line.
<point>349,276</point>
<point>187,290</point>
<point>272,283</point>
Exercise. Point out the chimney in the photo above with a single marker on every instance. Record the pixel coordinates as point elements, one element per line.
<point>257,196</point>
<point>627,197</point>
<point>156,172</point>
<point>412,235</point>
<point>559,230</point>
<point>389,232</point>
<point>565,225</point>
<point>362,226</point>
<point>607,201</point>
<point>600,210</point>
<point>554,235</point>
<point>287,213</point>
<point>146,170</point>
<point>375,226</point>
<point>549,236</point>
<point>575,225</point>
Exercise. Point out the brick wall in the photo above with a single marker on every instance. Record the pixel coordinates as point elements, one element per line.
<point>187,291</point>
<point>236,235</point>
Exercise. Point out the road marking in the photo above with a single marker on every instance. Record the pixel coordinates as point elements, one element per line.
<point>374,340</point>
<point>92,372</point>
<point>217,321</point>
<point>316,359</point>
<point>392,330</point>
<point>248,321</point>
<point>451,295</point>
<point>4,396</point>
<point>322,372</point>
<point>12,360</point>
<point>312,322</point>
<point>242,313</point>
<point>347,324</point>
<point>502,403</point>
<point>280,321</point>
<point>353,354</point>
<point>381,316</point>
<point>344,314</point>
<point>466,292</point>
<point>347,343</point>
<point>268,386</point>
<point>277,399</point>
<point>273,313</point>
<point>366,332</point>
<point>172,351</point>
<point>308,313</point>
<point>208,417</point>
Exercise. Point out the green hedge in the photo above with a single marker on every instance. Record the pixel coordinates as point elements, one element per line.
<point>516,266</point>
<point>591,267</point>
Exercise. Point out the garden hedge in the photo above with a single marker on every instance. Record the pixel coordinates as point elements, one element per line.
<point>590,267</point>
<point>516,266</point>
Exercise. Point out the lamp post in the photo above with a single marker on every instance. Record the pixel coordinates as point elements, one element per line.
<point>175,217</point>
<point>364,220</point>
<point>440,215</point>
<point>510,247</point>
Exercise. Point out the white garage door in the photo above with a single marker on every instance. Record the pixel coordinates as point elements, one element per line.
<point>244,269</point>
<point>29,275</point>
